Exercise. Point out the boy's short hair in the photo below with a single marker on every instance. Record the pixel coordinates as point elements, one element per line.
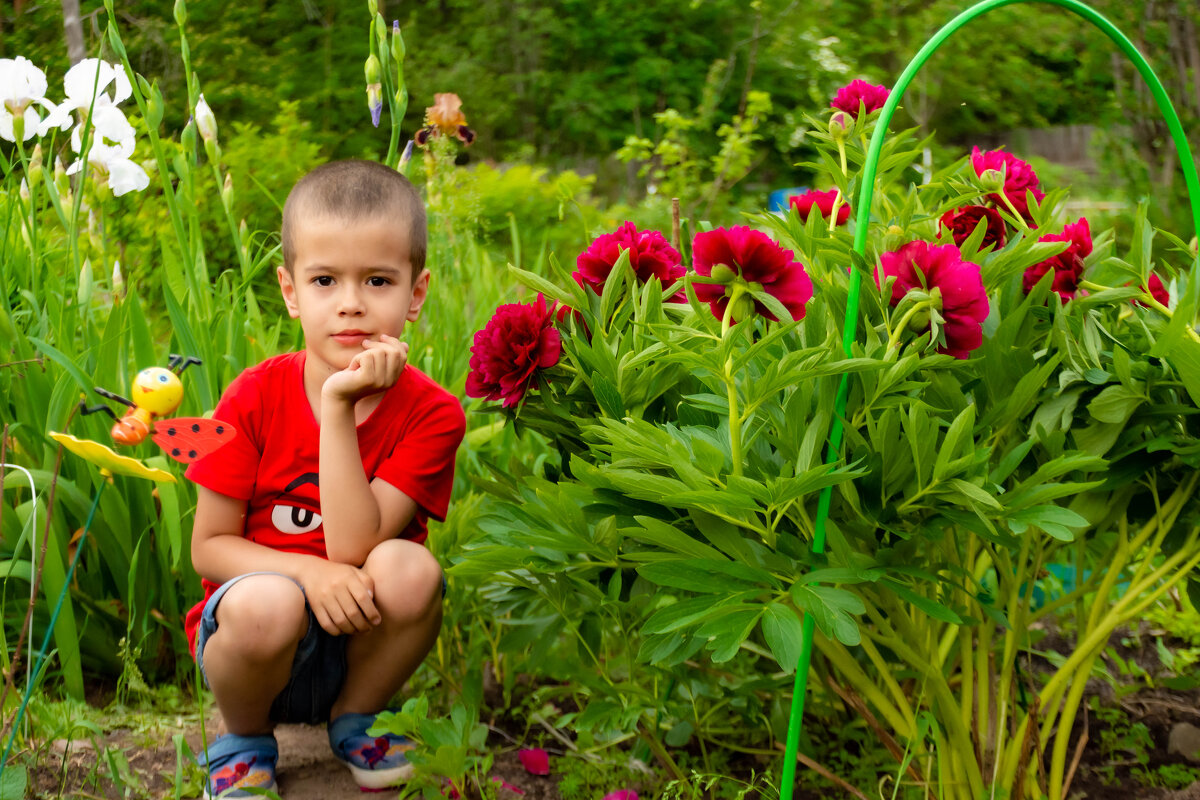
<point>352,190</point>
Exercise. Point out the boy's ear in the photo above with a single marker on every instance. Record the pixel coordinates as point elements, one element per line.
<point>420,291</point>
<point>287,288</point>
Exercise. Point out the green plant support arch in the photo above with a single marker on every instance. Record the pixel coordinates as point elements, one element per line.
<point>862,218</point>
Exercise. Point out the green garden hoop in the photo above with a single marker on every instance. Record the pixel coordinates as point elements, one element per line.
<point>862,219</point>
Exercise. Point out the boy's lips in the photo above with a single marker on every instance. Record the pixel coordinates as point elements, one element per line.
<point>351,337</point>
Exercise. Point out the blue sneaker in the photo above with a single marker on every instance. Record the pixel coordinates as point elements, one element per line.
<point>237,763</point>
<point>376,762</point>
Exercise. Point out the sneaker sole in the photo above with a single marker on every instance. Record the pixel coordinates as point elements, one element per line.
<point>229,794</point>
<point>379,778</point>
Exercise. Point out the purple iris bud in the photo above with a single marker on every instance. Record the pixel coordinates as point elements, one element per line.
<point>376,110</point>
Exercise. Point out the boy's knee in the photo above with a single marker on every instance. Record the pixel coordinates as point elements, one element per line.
<point>263,614</point>
<point>407,576</point>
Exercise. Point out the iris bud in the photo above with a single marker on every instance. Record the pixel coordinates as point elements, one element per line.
<point>118,280</point>
<point>84,294</point>
<point>205,120</point>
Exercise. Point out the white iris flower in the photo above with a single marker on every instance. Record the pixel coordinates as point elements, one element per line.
<point>109,82</point>
<point>22,88</point>
<point>109,150</point>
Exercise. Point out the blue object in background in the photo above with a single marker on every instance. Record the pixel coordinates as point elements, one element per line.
<point>778,199</point>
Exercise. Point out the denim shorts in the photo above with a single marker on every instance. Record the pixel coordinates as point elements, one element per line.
<point>318,669</point>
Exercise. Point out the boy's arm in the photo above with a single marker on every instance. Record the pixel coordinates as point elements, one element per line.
<point>357,515</point>
<point>339,594</point>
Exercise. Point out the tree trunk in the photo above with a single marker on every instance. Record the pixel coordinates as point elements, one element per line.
<point>73,27</point>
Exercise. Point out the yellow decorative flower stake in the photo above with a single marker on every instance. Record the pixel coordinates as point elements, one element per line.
<point>109,461</point>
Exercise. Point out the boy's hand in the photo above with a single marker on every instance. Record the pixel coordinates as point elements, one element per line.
<point>374,370</point>
<point>341,597</point>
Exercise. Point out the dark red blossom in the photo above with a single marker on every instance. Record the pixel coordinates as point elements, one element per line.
<point>822,201</point>
<point>650,255</point>
<point>518,341</point>
<point>1018,176</point>
<point>956,284</point>
<point>755,259</point>
<point>961,223</point>
<point>1067,265</point>
<point>870,96</point>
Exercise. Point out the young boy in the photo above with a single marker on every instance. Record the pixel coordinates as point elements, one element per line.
<point>320,599</point>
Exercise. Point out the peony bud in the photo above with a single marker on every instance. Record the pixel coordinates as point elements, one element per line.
<point>84,294</point>
<point>839,124</point>
<point>992,180</point>
<point>118,280</point>
<point>723,274</point>
<point>894,238</point>
<point>205,121</point>
<point>743,307</point>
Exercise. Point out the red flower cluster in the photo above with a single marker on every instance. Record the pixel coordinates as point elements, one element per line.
<point>518,341</point>
<point>822,201</point>
<point>755,258</point>
<point>1067,265</point>
<point>650,255</point>
<point>858,92</point>
<point>961,223</point>
<point>940,270</point>
<point>1018,176</point>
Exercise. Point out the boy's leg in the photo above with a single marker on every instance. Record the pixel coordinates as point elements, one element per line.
<point>248,659</point>
<point>408,594</point>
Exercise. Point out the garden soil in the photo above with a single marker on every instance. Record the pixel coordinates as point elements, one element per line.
<point>307,769</point>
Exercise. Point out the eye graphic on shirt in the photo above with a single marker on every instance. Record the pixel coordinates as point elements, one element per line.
<point>294,519</point>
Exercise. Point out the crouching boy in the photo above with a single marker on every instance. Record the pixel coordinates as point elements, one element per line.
<point>320,598</point>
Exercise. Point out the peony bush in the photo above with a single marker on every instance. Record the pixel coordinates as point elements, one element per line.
<point>1021,393</point>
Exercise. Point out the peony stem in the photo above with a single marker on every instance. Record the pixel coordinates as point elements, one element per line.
<point>735,421</point>
<point>894,336</point>
<point>1146,299</point>
<point>1020,220</point>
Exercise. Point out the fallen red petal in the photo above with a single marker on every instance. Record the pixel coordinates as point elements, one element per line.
<point>535,761</point>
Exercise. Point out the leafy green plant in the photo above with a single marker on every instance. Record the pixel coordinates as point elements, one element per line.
<point>448,750</point>
<point>681,508</point>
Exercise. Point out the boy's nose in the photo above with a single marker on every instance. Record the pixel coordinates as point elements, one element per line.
<point>350,302</point>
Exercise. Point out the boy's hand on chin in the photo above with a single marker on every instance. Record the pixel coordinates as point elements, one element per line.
<point>375,369</point>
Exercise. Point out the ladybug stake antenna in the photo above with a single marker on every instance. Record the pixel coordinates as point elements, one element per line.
<point>178,363</point>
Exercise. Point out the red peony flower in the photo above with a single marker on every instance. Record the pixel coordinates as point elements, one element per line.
<point>650,255</point>
<point>1067,265</point>
<point>535,761</point>
<point>961,223</point>
<point>518,341</point>
<point>849,97</point>
<point>939,269</point>
<point>754,258</point>
<point>1018,176</point>
<point>822,201</point>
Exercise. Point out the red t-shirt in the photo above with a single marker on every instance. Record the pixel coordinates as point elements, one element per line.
<point>409,440</point>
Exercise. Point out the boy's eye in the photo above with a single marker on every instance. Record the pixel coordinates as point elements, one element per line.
<point>378,281</point>
<point>323,280</point>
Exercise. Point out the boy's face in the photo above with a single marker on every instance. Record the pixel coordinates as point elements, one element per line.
<point>351,281</point>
